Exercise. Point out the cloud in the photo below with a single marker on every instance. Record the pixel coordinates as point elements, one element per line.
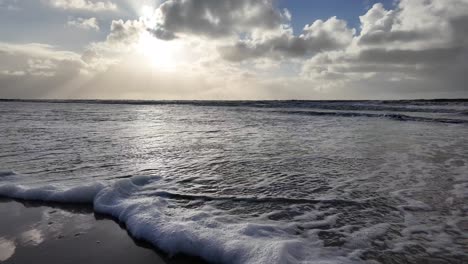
<point>12,73</point>
<point>379,37</point>
<point>87,5</point>
<point>320,36</point>
<point>36,50</point>
<point>247,49</point>
<point>122,39</point>
<point>36,70</point>
<point>11,5</point>
<point>459,30</point>
<point>261,29</point>
<point>215,19</point>
<point>423,57</point>
<point>419,47</point>
<point>84,23</point>
<point>125,31</point>
<point>377,19</point>
<point>42,67</point>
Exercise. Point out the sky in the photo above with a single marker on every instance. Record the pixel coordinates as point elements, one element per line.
<point>305,12</point>
<point>233,49</point>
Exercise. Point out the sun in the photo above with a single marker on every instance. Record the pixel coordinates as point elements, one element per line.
<point>147,14</point>
<point>161,54</point>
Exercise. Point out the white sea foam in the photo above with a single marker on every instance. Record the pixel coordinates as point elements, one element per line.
<point>363,237</point>
<point>208,232</point>
<point>76,194</point>
<point>200,233</point>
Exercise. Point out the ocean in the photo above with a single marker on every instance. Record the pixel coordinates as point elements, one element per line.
<point>254,181</point>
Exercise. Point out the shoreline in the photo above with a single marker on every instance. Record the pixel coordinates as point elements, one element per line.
<point>32,231</point>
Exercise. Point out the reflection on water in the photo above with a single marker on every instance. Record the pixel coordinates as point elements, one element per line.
<point>56,233</point>
<point>7,248</point>
<point>29,225</point>
<point>31,237</point>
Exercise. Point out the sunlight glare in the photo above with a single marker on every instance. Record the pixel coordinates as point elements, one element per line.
<point>147,14</point>
<point>139,7</point>
<point>162,55</point>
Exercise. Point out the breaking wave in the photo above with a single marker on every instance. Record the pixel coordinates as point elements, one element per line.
<point>392,116</point>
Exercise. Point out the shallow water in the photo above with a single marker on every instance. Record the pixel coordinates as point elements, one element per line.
<point>255,182</point>
<point>38,232</point>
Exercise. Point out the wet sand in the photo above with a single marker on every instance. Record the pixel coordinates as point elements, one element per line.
<point>35,232</point>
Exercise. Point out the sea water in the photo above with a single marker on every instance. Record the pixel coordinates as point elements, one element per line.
<point>254,182</point>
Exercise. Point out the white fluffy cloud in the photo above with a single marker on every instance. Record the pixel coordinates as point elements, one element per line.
<point>125,31</point>
<point>88,5</point>
<point>320,36</point>
<point>84,23</point>
<point>418,47</point>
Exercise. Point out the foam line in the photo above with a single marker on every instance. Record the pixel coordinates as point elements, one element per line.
<point>195,233</point>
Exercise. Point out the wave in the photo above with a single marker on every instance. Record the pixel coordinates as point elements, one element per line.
<point>5,173</point>
<point>204,232</point>
<point>399,117</point>
<point>50,193</point>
